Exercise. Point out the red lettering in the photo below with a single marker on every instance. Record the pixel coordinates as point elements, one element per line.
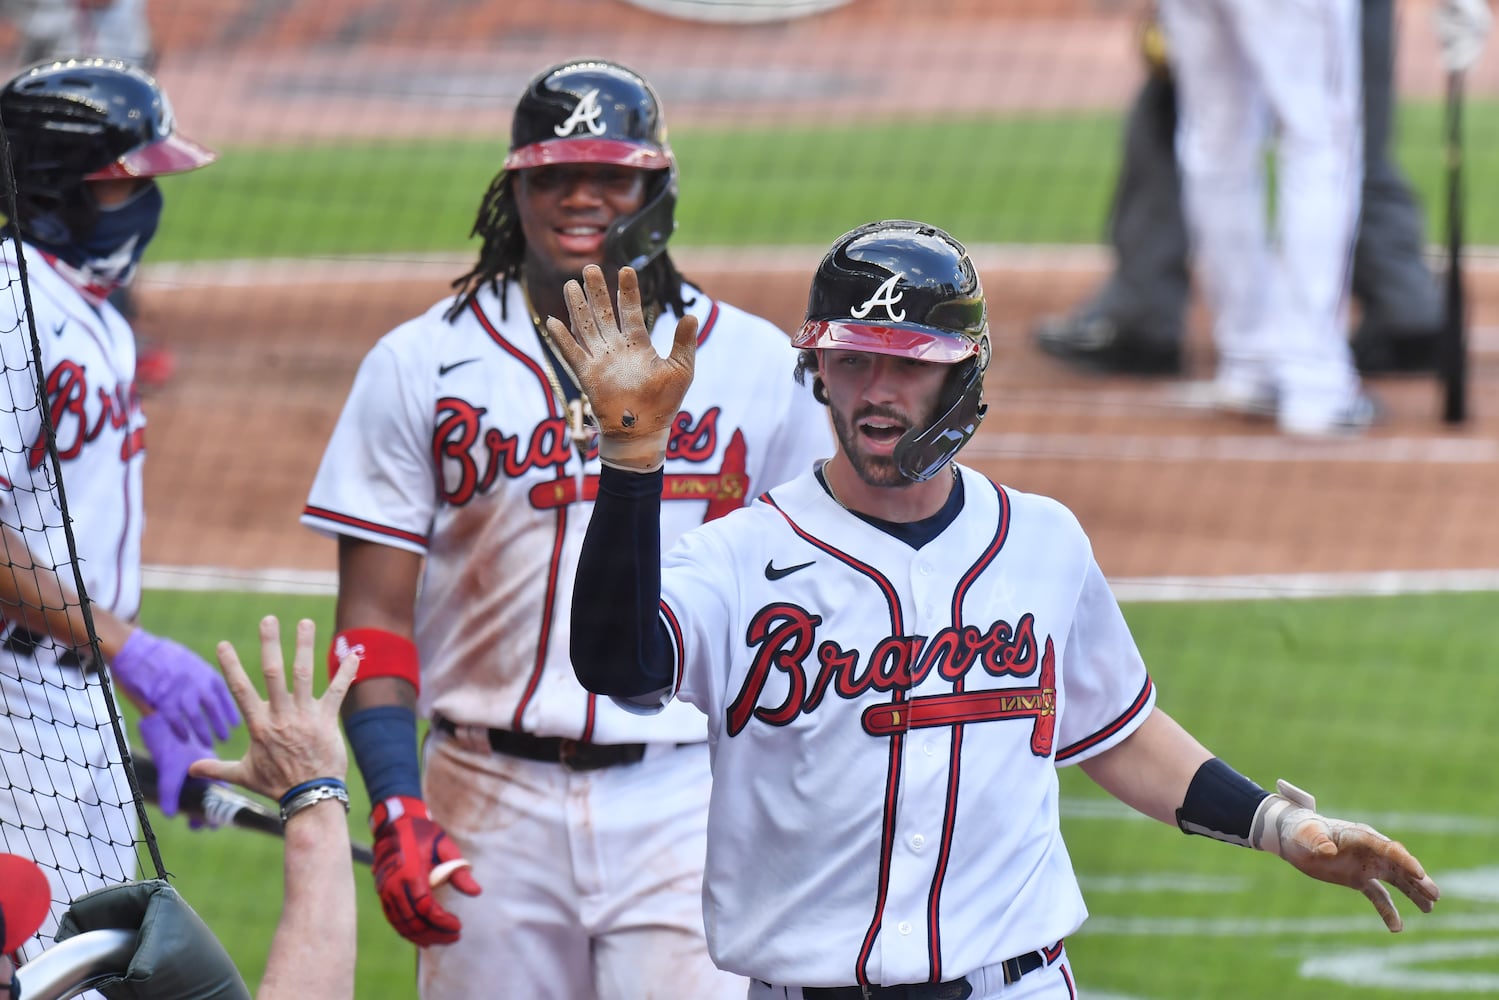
<point>695,443</point>
<point>784,634</point>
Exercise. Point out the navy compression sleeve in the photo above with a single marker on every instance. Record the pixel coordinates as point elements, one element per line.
<point>619,644</point>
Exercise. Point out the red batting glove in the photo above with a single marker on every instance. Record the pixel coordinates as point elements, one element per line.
<point>408,845</point>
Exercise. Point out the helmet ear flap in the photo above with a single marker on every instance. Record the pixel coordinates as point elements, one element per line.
<point>922,452</point>
<point>638,239</point>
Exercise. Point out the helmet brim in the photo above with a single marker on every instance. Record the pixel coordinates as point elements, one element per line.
<point>611,151</point>
<point>917,343</point>
<point>174,154</point>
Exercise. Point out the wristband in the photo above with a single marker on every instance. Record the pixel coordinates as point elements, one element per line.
<point>310,793</point>
<point>1221,803</point>
<point>381,654</point>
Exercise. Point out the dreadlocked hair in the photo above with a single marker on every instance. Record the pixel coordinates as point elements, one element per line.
<point>504,248</point>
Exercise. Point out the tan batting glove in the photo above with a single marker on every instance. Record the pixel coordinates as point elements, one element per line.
<point>1340,852</point>
<point>635,393</point>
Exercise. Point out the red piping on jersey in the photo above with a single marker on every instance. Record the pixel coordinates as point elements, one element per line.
<point>1134,709</point>
<point>324,514</point>
<point>897,741</point>
<point>678,646</point>
<point>708,324</point>
<point>544,627</point>
<point>950,810</point>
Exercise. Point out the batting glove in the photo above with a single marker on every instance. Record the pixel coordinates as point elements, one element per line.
<point>178,684</point>
<point>408,845</point>
<point>1462,26</point>
<point>1340,852</point>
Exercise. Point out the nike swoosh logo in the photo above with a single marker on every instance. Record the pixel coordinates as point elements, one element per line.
<point>772,573</point>
<point>444,369</point>
<point>57,330</point>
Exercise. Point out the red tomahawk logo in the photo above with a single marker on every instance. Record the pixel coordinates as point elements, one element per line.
<point>927,711</point>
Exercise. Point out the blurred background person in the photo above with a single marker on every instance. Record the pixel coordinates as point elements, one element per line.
<point>1285,73</point>
<point>1136,322</point>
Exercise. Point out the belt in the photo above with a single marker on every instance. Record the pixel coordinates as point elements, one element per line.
<point>576,755</point>
<point>24,642</point>
<point>953,989</point>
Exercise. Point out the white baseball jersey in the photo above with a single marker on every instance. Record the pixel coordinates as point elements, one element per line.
<point>63,806</point>
<point>885,725</point>
<point>454,444</point>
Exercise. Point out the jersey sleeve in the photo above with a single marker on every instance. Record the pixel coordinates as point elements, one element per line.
<point>376,480</point>
<point>1108,691</point>
<point>696,611</point>
<point>20,424</point>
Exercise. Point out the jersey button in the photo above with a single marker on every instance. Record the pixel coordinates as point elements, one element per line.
<point>918,842</point>
<point>905,927</point>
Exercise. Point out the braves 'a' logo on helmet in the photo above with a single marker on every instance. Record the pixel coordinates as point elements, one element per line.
<point>887,296</point>
<point>588,114</point>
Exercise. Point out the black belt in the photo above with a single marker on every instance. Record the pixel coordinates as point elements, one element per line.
<point>23,642</point>
<point>953,989</point>
<point>575,755</point>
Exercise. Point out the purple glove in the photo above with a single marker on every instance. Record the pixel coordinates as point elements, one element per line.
<point>179,685</point>
<point>172,756</point>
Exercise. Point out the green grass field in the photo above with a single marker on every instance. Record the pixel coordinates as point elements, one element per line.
<point>1003,180</point>
<point>1382,707</point>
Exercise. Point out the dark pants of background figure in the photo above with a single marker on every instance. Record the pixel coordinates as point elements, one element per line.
<point>1136,321</point>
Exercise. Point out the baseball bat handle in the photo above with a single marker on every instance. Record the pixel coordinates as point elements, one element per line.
<point>218,805</point>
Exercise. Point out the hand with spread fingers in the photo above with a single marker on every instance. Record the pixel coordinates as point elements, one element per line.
<point>634,392</point>
<point>294,737</point>
<point>1341,852</point>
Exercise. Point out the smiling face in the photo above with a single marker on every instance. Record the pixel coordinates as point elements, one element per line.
<point>565,210</point>
<point>875,399</point>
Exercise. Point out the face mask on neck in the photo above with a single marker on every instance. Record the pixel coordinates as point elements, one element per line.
<point>106,259</point>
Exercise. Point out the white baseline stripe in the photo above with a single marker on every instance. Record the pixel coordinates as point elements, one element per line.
<point>1232,448</point>
<point>1127,589</point>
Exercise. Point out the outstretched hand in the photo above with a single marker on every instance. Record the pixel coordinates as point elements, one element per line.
<point>294,737</point>
<point>1343,853</point>
<point>634,392</point>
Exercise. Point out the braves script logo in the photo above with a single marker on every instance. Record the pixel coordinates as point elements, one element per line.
<point>886,296</point>
<point>465,475</point>
<point>587,114</point>
<point>784,637</point>
<point>68,401</point>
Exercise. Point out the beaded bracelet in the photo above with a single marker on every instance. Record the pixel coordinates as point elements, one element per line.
<point>309,793</point>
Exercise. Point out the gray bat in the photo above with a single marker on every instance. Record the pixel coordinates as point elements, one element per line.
<point>217,805</point>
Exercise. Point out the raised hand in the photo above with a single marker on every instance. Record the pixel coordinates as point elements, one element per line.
<point>294,737</point>
<point>634,392</point>
<point>1343,853</point>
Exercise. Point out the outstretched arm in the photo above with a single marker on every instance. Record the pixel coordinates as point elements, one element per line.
<point>619,647</point>
<point>297,756</point>
<point>1162,771</point>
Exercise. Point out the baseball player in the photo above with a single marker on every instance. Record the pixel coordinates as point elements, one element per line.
<point>459,481</point>
<point>86,139</point>
<point>895,654</point>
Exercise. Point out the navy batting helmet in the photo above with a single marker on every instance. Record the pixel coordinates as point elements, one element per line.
<point>594,111</point>
<point>908,290</point>
<point>72,120</point>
